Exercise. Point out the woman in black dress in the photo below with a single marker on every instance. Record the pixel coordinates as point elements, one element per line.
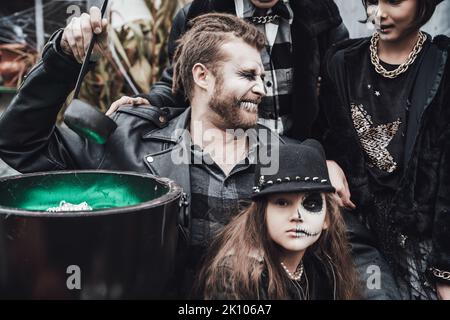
<point>390,132</point>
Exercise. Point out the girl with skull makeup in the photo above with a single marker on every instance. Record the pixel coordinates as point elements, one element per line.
<point>290,243</point>
<point>386,100</point>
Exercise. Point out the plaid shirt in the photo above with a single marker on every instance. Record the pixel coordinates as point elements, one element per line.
<point>277,61</point>
<point>215,197</point>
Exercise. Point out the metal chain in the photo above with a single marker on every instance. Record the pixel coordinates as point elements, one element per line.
<point>401,68</point>
<point>264,19</point>
<point>441,274</point>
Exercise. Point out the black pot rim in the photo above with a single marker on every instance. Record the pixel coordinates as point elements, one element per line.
<point>174,193</point>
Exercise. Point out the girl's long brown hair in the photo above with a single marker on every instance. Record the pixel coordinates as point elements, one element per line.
<point>245,239</point>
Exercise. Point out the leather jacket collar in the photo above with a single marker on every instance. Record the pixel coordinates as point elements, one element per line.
<point>174,130</point>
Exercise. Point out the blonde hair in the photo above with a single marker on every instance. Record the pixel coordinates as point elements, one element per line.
<point>202,44</point>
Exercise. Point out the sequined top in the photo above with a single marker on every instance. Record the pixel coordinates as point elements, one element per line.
<point>379,110</point>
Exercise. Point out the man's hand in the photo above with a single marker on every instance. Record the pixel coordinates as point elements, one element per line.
<point>339,182</point>
<point>123,101</point>
<point>78,34</point>
<point>443,291</point>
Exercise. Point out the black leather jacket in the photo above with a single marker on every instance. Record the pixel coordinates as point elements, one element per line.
<point>316,26</point>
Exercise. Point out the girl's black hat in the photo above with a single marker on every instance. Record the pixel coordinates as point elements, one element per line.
<point>301,168</point>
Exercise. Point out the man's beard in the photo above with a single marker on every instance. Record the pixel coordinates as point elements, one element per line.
<point>228,109</point>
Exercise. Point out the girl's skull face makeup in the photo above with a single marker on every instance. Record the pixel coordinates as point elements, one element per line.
<point>295,220</point>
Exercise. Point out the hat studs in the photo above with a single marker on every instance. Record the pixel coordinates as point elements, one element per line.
<point>263,183</point>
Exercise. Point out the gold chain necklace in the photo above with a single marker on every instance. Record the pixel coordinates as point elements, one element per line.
<point>401,68</point>
<point>297,274</point>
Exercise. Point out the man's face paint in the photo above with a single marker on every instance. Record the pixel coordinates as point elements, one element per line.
<point>295,220</point>
<point>238,88</point>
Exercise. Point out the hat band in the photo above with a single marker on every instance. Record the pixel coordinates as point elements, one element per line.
<point>262,183</point>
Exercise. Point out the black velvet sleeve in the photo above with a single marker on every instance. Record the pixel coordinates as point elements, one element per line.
<point>440,257</point>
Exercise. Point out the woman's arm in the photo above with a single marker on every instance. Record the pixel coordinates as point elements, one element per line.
<point>440,256</point>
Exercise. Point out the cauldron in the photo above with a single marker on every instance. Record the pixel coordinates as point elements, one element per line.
<point>125,247</point>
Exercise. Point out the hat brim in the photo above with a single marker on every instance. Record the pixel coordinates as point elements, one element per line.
<point>294,187</point>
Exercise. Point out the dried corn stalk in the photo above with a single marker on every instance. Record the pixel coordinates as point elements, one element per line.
<point>142,49</point>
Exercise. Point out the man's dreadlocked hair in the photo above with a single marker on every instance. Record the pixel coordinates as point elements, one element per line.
<point>202,44</point>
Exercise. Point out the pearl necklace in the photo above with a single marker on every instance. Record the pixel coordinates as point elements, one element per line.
<point>297,275</point>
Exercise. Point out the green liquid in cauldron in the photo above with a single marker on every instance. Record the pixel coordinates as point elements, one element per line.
<point>99,190</point>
